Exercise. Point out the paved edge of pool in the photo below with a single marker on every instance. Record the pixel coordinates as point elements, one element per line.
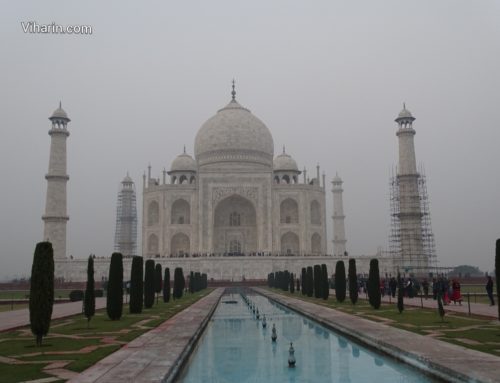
<point>437,358</point>
<point>159,354</point>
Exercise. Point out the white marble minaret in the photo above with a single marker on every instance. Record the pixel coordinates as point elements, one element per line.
<point>55,217</point>
<point>410,212</point>
<point>339,239</point>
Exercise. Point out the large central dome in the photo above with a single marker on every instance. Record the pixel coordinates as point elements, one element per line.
<point>234,134</point>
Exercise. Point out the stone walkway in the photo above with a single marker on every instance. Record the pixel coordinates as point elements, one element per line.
<point>19,318</point>
<point>447,361</point>
<point>155,356</point>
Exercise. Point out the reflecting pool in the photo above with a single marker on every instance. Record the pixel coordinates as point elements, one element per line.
<point>237,348</point>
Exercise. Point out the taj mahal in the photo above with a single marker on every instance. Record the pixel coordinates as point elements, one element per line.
<point>236,210</point>
<point>234,197</point>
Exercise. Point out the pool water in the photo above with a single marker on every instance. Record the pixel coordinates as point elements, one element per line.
<point>236,348</point>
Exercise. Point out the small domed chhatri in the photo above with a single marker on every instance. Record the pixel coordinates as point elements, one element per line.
<point>183,162</point>
<point>59,113</point>
<point>285,162</point>
<point>405,115</point>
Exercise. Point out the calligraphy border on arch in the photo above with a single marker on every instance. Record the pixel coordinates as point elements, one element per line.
<point>219,193</point>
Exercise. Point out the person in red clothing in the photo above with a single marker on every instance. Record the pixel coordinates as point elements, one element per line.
<point>456,296</point>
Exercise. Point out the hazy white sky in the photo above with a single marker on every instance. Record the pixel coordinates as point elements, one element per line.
<point>327,77</point>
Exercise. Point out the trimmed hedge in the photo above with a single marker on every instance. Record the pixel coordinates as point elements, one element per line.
<point>76,295</point>
<point>401,306</point>
<point>41,290</point>
<point>324,278</point>
<point>373,285</point>
<point>136,285</point>
<point>497,273</point>
<point>303,279</point>
<point>158,280</point>
<point>149,283</point>
<point>340,286</point>
<point>166,286</point>
<point>353,281</point>
<point>318,283</point>
<point>309,281</point>
<point>179,283</point>
<point>114,299</point>
<point>89,299</point>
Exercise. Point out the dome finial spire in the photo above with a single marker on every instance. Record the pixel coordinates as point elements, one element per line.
<point>60,105</point>
<point>184,149</point>
<point>283,149</point>
<point>404,105</point>
<point>233,92</point>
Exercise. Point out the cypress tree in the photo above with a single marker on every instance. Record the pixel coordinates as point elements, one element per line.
<point>41,290</point>
<point>197,281</point>
<point>353,281</point>
<point>292,283</point>
<point>326,286</point>
<point>136,285</point>
<point>191,282</point>
<point>497,273</point>
<point>89,300</point>
<point>158,280</point>
<point>179,283</point>
<point>309,281</point>
<point>318,284</point>
<point>303,279</point>
<point>374,284</point>
<point>286,281</point>
<point>149,283</point>
<point>114,300</point>
<point>400,294</point>
<point>166,286</point>
<point>298,284</point>
<point>340,287</point>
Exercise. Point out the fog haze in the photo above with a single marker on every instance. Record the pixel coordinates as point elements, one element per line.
<point>328,78</point>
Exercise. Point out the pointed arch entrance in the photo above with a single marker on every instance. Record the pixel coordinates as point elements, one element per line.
<point>235,226</point>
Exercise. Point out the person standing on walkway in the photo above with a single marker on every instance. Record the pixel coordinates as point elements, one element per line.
<point>456,296</point>
<point>489,291</point>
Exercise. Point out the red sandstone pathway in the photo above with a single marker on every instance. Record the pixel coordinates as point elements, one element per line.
<point>156,355</point>
<point>19,318</point>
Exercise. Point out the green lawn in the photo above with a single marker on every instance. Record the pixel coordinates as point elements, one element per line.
<point>468,331</point>
<point>67,337</point>
<point>24,294</point>
<point>476,288</point>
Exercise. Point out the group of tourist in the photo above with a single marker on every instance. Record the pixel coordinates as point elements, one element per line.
<point>449,290</point>
<point>236,254</point>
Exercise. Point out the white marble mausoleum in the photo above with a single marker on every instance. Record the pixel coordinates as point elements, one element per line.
<point>234,197</point>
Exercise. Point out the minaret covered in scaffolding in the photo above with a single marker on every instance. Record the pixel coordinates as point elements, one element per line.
<point>408,197</point>
<point>126,219</point>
